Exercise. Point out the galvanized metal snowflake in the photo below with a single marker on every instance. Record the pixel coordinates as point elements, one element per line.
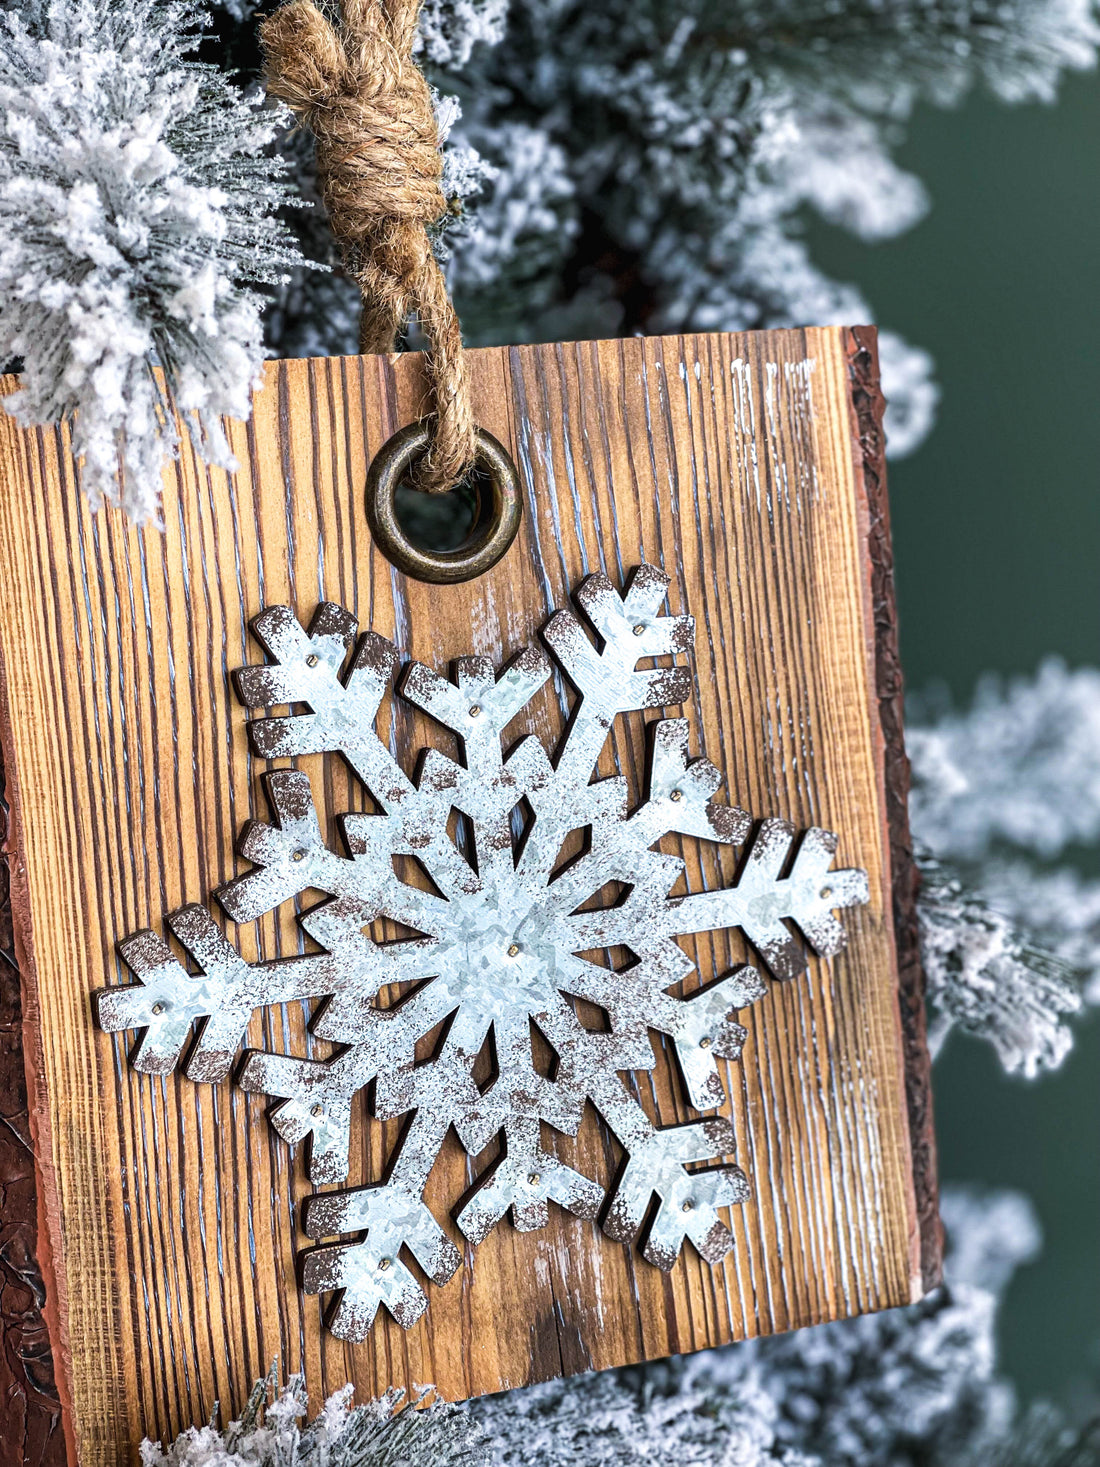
<point>498,944</point>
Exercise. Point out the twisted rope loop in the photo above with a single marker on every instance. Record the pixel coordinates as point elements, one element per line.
<point>353,83</point>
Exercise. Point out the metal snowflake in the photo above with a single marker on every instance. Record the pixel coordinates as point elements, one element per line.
<point>499,943</point>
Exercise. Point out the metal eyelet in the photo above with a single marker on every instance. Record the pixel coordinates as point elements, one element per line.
<point>491,539</point>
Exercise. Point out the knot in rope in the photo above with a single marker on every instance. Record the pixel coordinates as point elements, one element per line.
<point>354,84</point>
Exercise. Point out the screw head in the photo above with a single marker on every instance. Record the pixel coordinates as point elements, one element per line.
<point>475,710</point>
<point>677,796</point>
<point>384,1263</point>
<point>533,1179</point>
<point>826,893</point>
<point>704,1043</point>
<point>639,630</point>
<point>317,1110</point>
<point>687,1206</point>
<point>160,1007</point>
<point>513,951</point>
<point>312,660</point>
<point>299,854</point>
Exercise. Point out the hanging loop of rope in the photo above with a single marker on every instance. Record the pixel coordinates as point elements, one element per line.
<point>352,81</point>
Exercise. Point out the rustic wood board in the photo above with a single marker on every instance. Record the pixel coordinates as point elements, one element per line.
<point>169,1217</point>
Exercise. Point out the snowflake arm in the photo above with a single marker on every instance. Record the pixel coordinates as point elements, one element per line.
<point>703,1030</point>
<point>167,1000</point>
<point>608,684</point>
<point>291,857</point>
<point>307,670</point>
<point>364,1275</point>
<point>630,629</point>
<point>314,1102</point>
<point>478,706</point>
<point>762,899</point>
<point>654,1162</point>
<point>525,1179</point>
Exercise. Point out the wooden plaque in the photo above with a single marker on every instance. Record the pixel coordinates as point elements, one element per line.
<point>169,1218</point>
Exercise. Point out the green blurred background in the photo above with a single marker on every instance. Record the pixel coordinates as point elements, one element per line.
<point>997,537</point>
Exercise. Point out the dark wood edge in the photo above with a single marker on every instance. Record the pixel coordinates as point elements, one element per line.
<point>34,1414</point>
<point>867,409</point>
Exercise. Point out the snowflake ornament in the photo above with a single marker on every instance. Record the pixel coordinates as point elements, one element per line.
<point>505,939</point>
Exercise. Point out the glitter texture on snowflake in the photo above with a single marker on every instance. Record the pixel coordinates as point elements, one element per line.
<point>498,944</point>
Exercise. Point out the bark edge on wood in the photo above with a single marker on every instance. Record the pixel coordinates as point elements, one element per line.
<point>868,406</point>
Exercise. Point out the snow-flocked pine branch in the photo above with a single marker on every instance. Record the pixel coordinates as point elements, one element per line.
<point>991,977</point>
<point>138,205</point>
<point>621,167</point>
<point>913,1387</point>
<point>650,164</point>
<point>1001,790</point>
<point>1021,766</point>
<point>274,1433</point>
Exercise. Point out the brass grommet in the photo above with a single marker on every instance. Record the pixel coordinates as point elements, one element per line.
<point>390,467</point>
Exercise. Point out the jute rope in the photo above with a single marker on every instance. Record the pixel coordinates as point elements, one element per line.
<point>353,83</point>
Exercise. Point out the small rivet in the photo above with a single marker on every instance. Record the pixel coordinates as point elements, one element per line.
<point>299,854</point>
<point>312,660</point>
<point>687,1206</point>
<point>677,795</point>
<point>639,630</point>
<point>533,1179</point>
<point>704,1043</point>
<point>317,1110</point>
<point>160,1007</point>
<point>826,893</point>
<point>475,710</point>
<point>513,951</point>
<point>384,1263</point>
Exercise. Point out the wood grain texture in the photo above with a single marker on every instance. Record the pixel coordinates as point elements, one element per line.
<point>172,1209</point>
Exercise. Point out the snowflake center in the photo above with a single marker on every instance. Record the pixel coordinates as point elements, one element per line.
<point>496,958</point>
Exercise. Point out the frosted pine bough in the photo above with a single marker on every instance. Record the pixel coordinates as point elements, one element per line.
<point>506,937</point>
<point>137,208</point>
